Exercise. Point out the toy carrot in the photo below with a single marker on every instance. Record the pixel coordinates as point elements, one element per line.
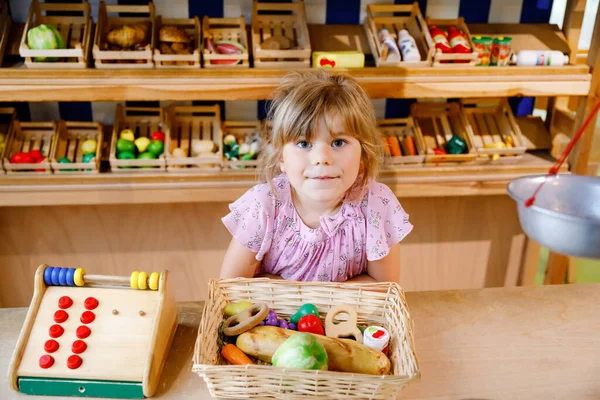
<point>394,146</point>
<point>234,355</point>
<point>409,146</point>
<point>386,146</point>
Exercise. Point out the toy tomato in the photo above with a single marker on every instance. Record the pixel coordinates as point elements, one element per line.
<point>310,323</point>
<point>36,155</point>
<point>158,136</point>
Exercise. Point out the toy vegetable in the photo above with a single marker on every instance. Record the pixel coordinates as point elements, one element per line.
<point>304,310</point>
<point>311,324</point>
<point>44,37</point>
<point>234,308</point>
<point>301,351</point>
<point>234,355</point>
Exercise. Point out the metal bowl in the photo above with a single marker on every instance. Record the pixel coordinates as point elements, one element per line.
<point>565,216</point>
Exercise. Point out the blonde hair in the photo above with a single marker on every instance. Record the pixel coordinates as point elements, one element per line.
<point>301,100</point>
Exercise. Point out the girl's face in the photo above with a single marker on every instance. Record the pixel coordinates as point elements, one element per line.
<point>324,168</point>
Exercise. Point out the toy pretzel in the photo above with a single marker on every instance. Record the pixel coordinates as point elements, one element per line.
<point>245,320</point>
<point>343,329</point>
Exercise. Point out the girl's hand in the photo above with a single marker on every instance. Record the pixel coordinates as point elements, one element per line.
<point>239,262</point>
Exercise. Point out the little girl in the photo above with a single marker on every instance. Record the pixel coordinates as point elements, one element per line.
<point>320,216</point>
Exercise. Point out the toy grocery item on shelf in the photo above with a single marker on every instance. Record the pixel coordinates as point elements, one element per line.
<point>242,143</point>
<point>389,48</point>
<point>540,57</point>
<point>28,147</point>
<point>501,51</point>
<point>453,43</point>
<point>483,47</point>
<point>408,47</point>
<point>338,59</point>
<point>458,41</point>
<point>402,143</point>
<point>440,39</point>
<point>77,148</point>
<point>94,335</point>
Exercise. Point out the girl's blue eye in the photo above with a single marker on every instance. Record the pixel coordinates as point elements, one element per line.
<point>303,144</point>
<point>338,143</point>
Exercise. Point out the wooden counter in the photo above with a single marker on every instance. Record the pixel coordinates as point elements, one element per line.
<point>517,343</point>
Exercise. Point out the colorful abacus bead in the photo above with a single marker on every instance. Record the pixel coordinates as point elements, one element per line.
<point>70,275</point>
<point>58,276</point>
<point>62,276</point>
<point>154,277</point>
<point>48,276</point>
<point>78,277</point>
<point>55,273</point>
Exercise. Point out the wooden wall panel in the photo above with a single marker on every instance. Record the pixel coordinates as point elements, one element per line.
<point>457,243</point>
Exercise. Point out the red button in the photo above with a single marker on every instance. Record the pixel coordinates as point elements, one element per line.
<point>87,317</point>
<point>82,332</point>
<point>51,346</point>
<point>78,347</point>
<point>65,302</point>
<point>74,362</point>
<point>90,303</point>
<point>56,331</point>
<point>46,361</point>
<point>60,316</point>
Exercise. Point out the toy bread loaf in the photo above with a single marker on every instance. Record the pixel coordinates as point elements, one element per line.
<point>173,34</point>
<point>345,355</point>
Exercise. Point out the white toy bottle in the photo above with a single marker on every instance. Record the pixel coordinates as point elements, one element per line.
<point>408,47</point>
<point>540,57</point>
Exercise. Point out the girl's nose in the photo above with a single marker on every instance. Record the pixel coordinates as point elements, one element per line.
<point>321,154</point>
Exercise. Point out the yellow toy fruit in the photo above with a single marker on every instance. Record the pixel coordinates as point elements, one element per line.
<point>142,144</point>
<point>232,309</point>
<point>127,134</point>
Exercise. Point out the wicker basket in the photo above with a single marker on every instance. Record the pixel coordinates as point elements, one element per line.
<point>376,303</point>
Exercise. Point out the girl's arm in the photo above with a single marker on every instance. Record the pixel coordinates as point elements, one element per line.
<point>386,269</point>
<point>239,262</point>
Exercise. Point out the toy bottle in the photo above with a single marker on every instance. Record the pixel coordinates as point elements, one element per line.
<point>408,47</point>
<point>540,57</point>
<point>440,39</point>
<point>390,51</point>
<point>458,41</point>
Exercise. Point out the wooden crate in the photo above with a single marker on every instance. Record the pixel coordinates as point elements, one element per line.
<point>394,18</point>
<point>280,19</point>
<point>182,61</point>
<point>402,127</point>
<point>241,130</point>
<point>26,136</point>
<point>489,122</point>
<point>453,59</point>
<point>436,123</point>
<point>7,117</point>
<point>105,58</point>
<point>224,29</point>
<point>143,121</point>
<point>71,135</point>
<point>76,31</point>
<point>5,24</point>
<point>191,123</point>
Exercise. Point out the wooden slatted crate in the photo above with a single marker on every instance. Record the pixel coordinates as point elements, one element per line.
<point>394,18</point>
<point>68,144</point>
<point>76,31</point>
<point>27,136</point>
<point>437,123</point>
<point>143,121</point>
<point>242,130</point>
<point>277,20</point>
<point>453,59</point>
<point>188,126</point>
<point>7,117</point>
<point>5,24</point>
<point>490,125</point>
<point>163,55</point>
<point>105,57</point>
<point>232,29</point>
<point>401,128</point>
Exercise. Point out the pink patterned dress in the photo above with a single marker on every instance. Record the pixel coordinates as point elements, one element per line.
<point>336,251</point>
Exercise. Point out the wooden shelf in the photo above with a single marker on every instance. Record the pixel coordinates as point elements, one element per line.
<point>107,188</point>
<point>21,84</point>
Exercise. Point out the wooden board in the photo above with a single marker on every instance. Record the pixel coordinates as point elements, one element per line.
<point>117,346</point>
